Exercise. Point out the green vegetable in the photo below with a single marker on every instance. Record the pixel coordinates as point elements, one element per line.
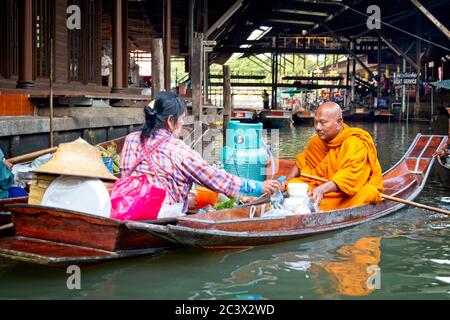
<point>228,204</point>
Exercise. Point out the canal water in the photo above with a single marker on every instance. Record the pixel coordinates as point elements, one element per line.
<point>403,256</point>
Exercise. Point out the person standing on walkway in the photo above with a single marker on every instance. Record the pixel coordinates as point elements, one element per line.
<point>265,97</point>
<point>106,68</point>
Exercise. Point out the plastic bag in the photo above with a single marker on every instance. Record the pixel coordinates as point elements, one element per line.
<point>171,211</point>
<point>135,199</point>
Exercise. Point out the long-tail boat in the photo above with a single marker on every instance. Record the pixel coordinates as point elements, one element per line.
<point>244,227</point>
<point>58,238</point>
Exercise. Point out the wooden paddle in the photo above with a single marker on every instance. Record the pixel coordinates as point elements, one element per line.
<point>387,197</point>
<point>6,227</point>
<point>32,156</point>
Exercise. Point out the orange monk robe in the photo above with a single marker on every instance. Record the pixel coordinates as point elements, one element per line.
<point>349,160</point>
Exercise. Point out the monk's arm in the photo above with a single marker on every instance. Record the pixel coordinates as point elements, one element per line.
<point>295,172</point>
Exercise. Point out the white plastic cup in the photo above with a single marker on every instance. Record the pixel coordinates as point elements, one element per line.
<point>298,189</point>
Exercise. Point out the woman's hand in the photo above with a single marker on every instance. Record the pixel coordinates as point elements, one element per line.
<point>271,186</point>
<point>9,165</point>
<point>439,153</point>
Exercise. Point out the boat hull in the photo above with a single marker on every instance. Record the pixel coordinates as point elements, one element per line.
<point>275,118</point>
<point>57,237</point>
<point>301,118</point>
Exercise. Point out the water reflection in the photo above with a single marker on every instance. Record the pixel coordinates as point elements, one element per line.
<point>353,275</point>
<point>348,272</point>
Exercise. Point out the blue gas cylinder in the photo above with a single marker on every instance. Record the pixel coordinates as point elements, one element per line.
<point>244,154</point>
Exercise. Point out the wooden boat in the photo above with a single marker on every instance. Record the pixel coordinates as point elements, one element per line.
<point>244,115</point>
<point>275,118</point>
<point>346,114</point>
<point>361,114</point>
<point>58,238</point>
<point>243,227</point>
<point>382,114</point>
<point>303,117</point>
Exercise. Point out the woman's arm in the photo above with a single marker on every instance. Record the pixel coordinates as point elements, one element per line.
<point>201,172</point>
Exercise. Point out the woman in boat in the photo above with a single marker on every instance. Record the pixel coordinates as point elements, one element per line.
<point>6,177</point>
<point>174,166</point>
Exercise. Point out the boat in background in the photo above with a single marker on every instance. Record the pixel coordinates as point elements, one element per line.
<point>383,114</point>
<point>275,118</point>
<point>303,117</point>
<point>361,114</point>
<point>244,115</point>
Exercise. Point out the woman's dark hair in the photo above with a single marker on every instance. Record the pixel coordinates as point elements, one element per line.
<point>166,104</point>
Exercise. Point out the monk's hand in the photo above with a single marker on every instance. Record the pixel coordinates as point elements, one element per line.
<point>270,186</point>
<point>316,195</point>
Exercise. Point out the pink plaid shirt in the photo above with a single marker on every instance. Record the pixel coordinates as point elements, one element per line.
<point>177,167</point>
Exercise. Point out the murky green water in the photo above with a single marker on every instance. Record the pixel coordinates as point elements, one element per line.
<point>407,253</point>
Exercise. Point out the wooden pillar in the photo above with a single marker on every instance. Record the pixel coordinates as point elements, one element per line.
<point>348,72</point>
<point>205,55</point>
<point>418,62</point>
<point>196,71</point>
<point>191,34</point>
<point>167,42</point>
<point>25,44</point>
<point>227,103</point>
<point>157,66</point>
<point>125,43</point>
<point>379,70</point>
<point>353,81</point>
<point>117,47</point>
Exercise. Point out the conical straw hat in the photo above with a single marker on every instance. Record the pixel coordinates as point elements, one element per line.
<point>77,158</point>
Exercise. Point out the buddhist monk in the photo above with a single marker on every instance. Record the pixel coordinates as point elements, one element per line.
<point>344,156</point>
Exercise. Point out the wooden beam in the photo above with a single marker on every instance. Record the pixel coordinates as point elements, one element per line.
<point>398,50</point>
<point>400,17</point>
<point>117,47</point>
<point>196,72</point>
<point>227,103</point>
<point>435,21</point>
<point>226,16</point>
<point>346,48</point>
<point>262,50</point>
<point>157,66</point>
<point>125,43</point>
<point>418,61</point>
<point>332,16</point>
<point>167,42</point>
<point>25,44</point>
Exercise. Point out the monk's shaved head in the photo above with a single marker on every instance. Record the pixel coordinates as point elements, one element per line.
<point>328,121</point>
<point>330,109</point>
